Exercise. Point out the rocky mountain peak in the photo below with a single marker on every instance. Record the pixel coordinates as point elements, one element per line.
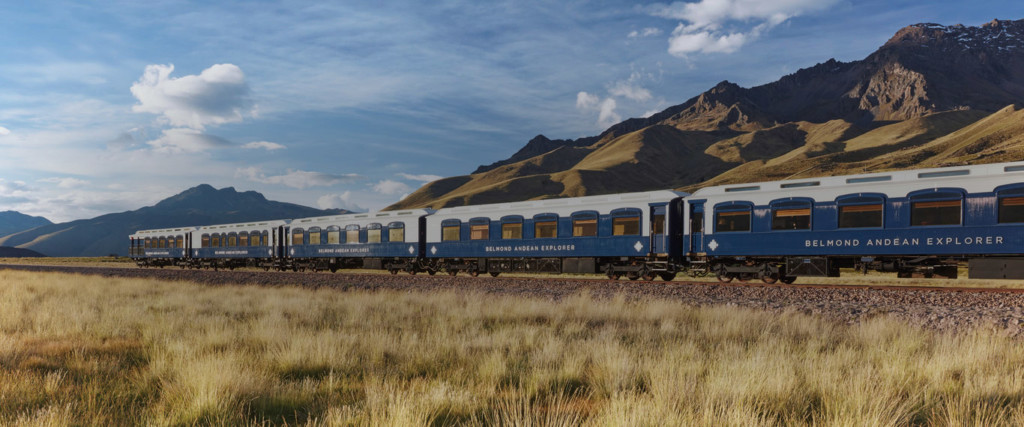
<point>997,35</point>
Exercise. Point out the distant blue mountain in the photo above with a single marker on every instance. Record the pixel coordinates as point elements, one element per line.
<point>12,222</point>
<point>200,205</point>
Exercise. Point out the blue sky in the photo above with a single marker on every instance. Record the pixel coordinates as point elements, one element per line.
<point>111,107</point>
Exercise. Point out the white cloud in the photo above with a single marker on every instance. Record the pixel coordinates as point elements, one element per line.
<point>4,131</point>
<point>217,95</point>
<point>646,32</point>
<point>421,178</point>
<point>391,187</point>
<point>605,108</point>
<point>630,91</point>
<point>704,21</point>
<point>608,116</point>
<point>266,145</point>
<point>339,201</point>
<point>184,140</point>
<point>682,43</point>
<point>586,101</point>
<point>296,178</point>
<point>66,182</point>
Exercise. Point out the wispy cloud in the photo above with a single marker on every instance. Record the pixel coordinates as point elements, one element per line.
<point>421,178</point>
<point>339,201</point>
<point>296,178</point>
<point>266,145</point>
<point>391,187</point>
<point>4,131</point>
<point>184,140</point>
<point>646,32</point>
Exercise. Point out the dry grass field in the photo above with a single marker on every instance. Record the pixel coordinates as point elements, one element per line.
<point>100,351</point>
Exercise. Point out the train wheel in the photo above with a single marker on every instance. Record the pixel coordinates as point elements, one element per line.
<point>647,276</point>
<point>770,278</point>
<point>494,274</point>
<point>431,272</point>
<point>667,276</point>
<point>393,271</point>
<point>614,276</point>
<point>788,280</point>
<point>412,272</point>
<point>474,273</point>
<point>632,275</point>
<point>724,277</point>
<point>453,273</point>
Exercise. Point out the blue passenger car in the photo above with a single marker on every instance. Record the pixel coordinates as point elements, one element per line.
<point>160,247</point>
<point>623,234</point>
<point>374,240</point>
<point>917,221</point>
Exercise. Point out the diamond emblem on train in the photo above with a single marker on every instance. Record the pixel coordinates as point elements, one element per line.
<point>713,245</point>
<point>638,246</point>
<point>411,250</point>
<point>292,251</point>
<point>433,250</point>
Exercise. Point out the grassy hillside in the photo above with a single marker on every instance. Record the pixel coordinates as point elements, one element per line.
<point>143,352</point>
<point>663,156</point>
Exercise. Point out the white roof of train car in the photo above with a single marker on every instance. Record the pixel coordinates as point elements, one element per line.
<point>360,219</point>
<point>976,178</point>
<point>564,206</point>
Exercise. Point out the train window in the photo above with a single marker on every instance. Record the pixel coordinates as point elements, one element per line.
<point>479,228</point>
<point>791,215</point>
<point>352,234</point>
<point>860,216</point>
<point>545,226</point>
<point>584,224</point>
<point>732,217</point>
<point>396,232</point>
<point>170,243</point>
<point>232,240</point>
<point>297,236</point>
<point>243,239</point>
<point>215,240</point>
<point>1011,210</point>
<point>512,227</point>
<point>450,230</point>
<point>266,238</point>
<point>181,242</point>
<point>163,243</point>
<point>373,233</point>
<point>333,235</point>
<point>314,235</point>
<point>205,241</point>
<point>626,222</point>
<point>936,207</point>
<point>147,243</point>
<point>861,210</point>
<point>626,226</point>
<point>512,230</point>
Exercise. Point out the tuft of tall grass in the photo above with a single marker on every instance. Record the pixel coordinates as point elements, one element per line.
<point>93,350</point>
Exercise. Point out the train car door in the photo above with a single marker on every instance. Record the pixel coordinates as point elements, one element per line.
<point>658,229</point>
<point>696,227</point>
<point>282,232</point>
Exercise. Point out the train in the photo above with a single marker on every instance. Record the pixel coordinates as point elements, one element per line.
<point>915,223</point>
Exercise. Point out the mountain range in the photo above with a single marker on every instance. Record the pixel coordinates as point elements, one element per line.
<point>933,95</point>
<point>200,205</point>
<point>13,222</point>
